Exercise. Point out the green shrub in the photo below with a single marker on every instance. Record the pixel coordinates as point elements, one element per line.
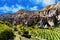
<point>6,32</point>
<point>6,35</point>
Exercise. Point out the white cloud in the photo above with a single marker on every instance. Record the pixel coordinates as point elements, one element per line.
<point>18,7</point>
<point>36,1</point>
<point>48,2</point>
<point>5,8</point>
<point>44,2</point>
<point>11,9</point>
<point>39,1</point>
<point>34,8</point>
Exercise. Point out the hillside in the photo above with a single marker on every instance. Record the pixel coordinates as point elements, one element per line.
<point>49,16</point>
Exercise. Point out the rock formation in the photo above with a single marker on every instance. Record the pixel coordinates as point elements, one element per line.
<point>49,16</point>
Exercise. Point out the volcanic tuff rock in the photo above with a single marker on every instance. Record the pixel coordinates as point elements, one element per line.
<point>49,15</point>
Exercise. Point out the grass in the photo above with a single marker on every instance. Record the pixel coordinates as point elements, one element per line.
<point>4,27</point>
<point>48,34</point>
<point>52,33</point>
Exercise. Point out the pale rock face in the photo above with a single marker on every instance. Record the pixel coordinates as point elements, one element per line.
<point>41,14</point>
<point>51,6</point>
<point>26,23</point>
<point>52,12</point>
<point>46,26</point>
<point>19,15</point>
<point>58,17</point>
<point>51,23</point>
<point>57,5</point>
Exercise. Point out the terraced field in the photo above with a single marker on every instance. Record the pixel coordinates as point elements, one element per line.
<point>46,34</point>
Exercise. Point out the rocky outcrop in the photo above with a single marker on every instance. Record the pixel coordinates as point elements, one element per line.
<point>49,16</point>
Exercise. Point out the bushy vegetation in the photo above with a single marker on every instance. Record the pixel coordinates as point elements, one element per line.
<point>6,33</point>
<point>33,32</point>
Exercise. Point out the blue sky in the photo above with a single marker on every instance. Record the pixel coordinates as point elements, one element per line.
<point>15,5</point>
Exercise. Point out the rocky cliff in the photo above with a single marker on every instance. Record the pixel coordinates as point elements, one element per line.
<point>49,16</point>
